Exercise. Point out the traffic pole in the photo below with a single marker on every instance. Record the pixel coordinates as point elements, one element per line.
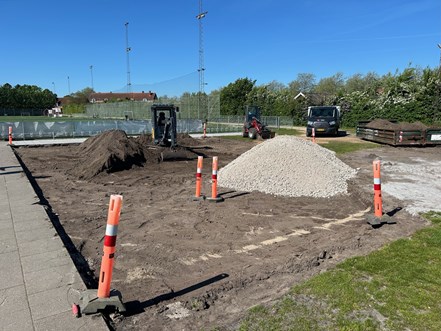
<point>378,218</point>
<point>93,301</point>
<point>378,203</point>
<point>198,195</point>
<point>214,196</point>
<point>10,135</point>
<point>107,261</point>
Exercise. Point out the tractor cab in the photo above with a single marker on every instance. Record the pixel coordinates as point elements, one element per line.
<point>252,112</point>
<point>164,121</point>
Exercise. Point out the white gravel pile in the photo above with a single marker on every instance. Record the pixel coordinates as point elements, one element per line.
<point>287,166</point>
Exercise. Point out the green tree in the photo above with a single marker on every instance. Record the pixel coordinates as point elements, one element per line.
<point>305,83</point>
<point>331,86</point>
<point>76,102</point>
<point>234,96</point>
<point>25,97</point>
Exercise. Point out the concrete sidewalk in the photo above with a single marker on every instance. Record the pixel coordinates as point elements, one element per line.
<point>38,280</point>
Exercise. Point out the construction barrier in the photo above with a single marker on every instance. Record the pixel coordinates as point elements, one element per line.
<point>10,135</point>
<point>109,246</point>
<point>378,204</point>
<point>91,300</point>
<point>198,195</point>
<point>214,196</point>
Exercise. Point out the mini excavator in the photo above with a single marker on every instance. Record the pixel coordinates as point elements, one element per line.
<point>164,125</point>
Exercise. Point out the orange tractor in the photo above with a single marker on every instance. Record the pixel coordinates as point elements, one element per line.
<point>253,127</point>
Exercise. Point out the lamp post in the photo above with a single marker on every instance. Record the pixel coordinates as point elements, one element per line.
<point>201,69</point>
<point>91,76</point>
<point>68,84</point>
<point>53,88</point>
<point>128,49</point>
<point>439,66</point>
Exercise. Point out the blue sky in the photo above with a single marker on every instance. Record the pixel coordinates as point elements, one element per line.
<point>44,42</point>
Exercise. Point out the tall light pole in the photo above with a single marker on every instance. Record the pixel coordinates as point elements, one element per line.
<point>128,49</point>
<point>438,106</point>
<point>91,76</point>
<point>439,67</point>
<point>201,68</point>
<point>53,86</point>
<point>68,85</point>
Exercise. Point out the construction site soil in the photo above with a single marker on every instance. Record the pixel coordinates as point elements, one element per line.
<point>190,265</point>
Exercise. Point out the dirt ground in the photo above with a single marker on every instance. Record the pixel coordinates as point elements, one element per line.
<point>187,265</point>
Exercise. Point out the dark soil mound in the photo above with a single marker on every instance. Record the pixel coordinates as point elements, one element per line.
<point>388,125</point>
<point>113,151</point>
<point>110,151</point>
<point>184,139</point>
<point>151,152</point>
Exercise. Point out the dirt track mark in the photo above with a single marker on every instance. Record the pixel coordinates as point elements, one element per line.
<point>299,232</point>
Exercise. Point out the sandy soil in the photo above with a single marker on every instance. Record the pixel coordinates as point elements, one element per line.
<point>187,265</point>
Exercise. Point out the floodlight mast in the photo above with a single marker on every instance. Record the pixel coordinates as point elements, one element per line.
<point>439,67</point>
<point>91,76</point>
<point>128,49</point>
<point>201,68</point>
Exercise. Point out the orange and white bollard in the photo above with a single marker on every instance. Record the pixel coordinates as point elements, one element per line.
<point>109,246</point>
<point>198,195</point>
<point>10,135</point>
<point>378,218</point>
<point>400,137</point>
<point>378,203</point>
<point>205,130</point>
<point>92,301</point>
<point>214,196</point>
<point>313,135</point>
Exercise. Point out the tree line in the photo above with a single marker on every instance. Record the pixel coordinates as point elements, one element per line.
<point>25,98</point>
<point>413,94</point>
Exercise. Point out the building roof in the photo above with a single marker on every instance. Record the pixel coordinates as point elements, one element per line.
<point>136,96</point>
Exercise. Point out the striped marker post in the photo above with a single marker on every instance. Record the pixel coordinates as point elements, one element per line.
<point>198,195</point>
<point>214,196</point>
<point>400,137</point>
<point>205,130</point>
<point>10,135</point>
<point>109,246</point>
<point>378,203</point>
<point>91,300</point>
<point>313,135</point>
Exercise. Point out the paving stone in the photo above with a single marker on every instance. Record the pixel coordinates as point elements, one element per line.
<point>45,260</point>
<point>14,310</point>
<point>50,278</point>
<point>66,322</point>
<point>10,271</point>
<point>7,241</point>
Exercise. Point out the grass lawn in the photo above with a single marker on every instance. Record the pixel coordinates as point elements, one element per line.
<point>395,288</point>
<point>341,147</point>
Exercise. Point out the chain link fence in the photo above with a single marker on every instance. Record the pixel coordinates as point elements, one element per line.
<point>70,129</point>
<point>190,106</point>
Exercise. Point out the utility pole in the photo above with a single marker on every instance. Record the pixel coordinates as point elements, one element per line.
<point>91,76</point>
<point>201,69</point>
<point>439,67</point>
<point>438,106</point>
<point>128,49</point>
